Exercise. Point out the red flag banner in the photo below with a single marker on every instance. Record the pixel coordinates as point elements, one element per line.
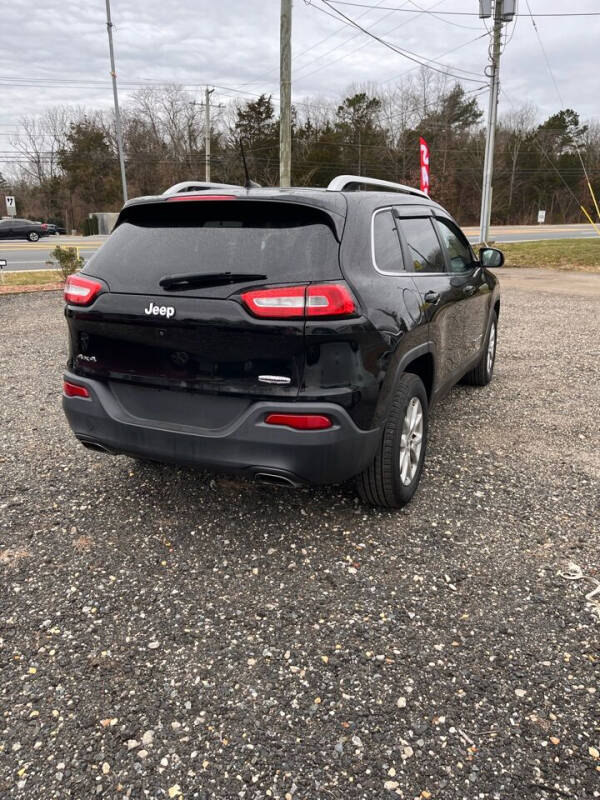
<point>424,147</point>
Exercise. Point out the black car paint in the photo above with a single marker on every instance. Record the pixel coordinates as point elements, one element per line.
<point>17,228</point>
<point>353,363</point>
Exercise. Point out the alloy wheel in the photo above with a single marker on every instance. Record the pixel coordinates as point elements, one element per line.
<point>411,441</point>
<point>491,348</point>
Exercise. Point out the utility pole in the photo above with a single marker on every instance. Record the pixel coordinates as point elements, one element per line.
<point>488,164</point>
<point>504,11</point>
<point>109,27</point>
<point>285,94</point>
<point>207,94</point>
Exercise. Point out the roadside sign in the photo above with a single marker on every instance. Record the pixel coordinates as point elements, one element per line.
<point>541,216</point>
<point>11,206</point>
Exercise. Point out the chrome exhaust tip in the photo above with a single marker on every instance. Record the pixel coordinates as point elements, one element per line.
<point>273,479</point>
<point>96,447</point>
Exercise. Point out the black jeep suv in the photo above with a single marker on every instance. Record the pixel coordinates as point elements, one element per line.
<point>300,336</point>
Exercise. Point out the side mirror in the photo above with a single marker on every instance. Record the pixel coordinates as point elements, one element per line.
<point>490,257</point>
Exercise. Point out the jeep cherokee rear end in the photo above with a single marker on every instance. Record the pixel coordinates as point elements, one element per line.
<point>218,330</point>
<point>296,335</point>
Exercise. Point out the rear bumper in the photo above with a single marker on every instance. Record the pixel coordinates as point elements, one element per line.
<point>247,444</point>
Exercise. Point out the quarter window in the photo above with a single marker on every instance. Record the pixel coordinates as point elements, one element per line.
<point>459,252</point>
<point>423,245</point>
<point>387,252</point>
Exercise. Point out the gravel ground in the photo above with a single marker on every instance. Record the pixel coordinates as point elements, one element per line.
<point>164,633</point>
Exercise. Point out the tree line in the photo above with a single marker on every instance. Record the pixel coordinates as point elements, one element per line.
<point>64,163</point>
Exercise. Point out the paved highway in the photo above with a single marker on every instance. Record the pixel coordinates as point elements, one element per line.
<point>23,255</point>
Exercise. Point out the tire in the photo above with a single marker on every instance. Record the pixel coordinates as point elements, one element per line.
<point>33,236</point>
<point>382,483</point>
<point>483,371</point>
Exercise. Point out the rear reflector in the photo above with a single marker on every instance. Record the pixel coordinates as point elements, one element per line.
<point>301,422</point>
<point>191,198</point>
<point>323,300</point>
<point>80,291</point>
<point>74,390</point>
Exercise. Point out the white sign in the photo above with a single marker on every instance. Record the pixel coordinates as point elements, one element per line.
<point>541,216</point>
<point>11,206</point>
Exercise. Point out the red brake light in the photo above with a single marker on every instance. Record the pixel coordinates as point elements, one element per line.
<point>80,291</point>
<point>323,300</point>
<point>300,422</point>
<point>187,198</point>
<point>74,390</point>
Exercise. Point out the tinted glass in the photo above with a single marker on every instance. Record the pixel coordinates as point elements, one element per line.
<point>386,244</point>
<point>424,247</point>
<point>284,242</point>
<point>459,252</point>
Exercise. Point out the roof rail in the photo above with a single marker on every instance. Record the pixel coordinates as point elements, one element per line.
<point>199,186</point>
<point>339,183</point>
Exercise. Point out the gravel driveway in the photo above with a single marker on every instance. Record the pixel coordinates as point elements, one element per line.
<point>164,633</point>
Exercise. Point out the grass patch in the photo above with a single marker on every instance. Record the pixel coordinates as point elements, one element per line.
<point>580,255</point>
<point>34,277</point>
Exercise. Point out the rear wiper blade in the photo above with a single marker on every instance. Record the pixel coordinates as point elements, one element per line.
<point>190,280</point>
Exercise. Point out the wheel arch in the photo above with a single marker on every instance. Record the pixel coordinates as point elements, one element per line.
<point>420,361</point>
<point>423,367</point>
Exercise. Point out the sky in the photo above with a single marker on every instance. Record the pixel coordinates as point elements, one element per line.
<point>55,52</point>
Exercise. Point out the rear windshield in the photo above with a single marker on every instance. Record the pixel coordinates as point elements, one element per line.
<point>285,242</point>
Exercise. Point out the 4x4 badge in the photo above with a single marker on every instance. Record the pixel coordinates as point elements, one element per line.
<point>160,311</point>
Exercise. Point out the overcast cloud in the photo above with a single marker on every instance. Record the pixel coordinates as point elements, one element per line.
<point>235,44</point>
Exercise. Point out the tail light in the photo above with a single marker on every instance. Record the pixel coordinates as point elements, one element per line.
<point>300,422</point>
<point>80,291</point>
<point>74,390</point>
<point>321,300</point>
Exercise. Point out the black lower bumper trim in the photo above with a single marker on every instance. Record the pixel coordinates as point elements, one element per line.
<point>247,444</point>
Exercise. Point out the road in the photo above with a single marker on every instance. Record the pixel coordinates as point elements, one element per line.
<point>23,255</point>
<point>532,233</point>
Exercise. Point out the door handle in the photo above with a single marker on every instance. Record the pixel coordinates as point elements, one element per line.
<point>469,290</point>
<point>432,297</point>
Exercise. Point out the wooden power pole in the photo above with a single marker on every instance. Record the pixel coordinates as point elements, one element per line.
<point>109,27</point>
<point>285,94</point>
<point>207,95</point>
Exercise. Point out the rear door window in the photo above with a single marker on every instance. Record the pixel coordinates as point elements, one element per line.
<point>284,242</point>
<point>387,252</point>
<point>423,245</point>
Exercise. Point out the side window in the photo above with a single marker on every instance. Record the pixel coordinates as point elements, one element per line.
<point>387,253</point>
<point>423,245</point>
<point>459,252</point>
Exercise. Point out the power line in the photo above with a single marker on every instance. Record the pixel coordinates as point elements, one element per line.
<point>361,47</point>
<point>463,13</point>
<point>558,92</point>
<point>441,55</point>
<point>355,35</point>
<point>407,53</point>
